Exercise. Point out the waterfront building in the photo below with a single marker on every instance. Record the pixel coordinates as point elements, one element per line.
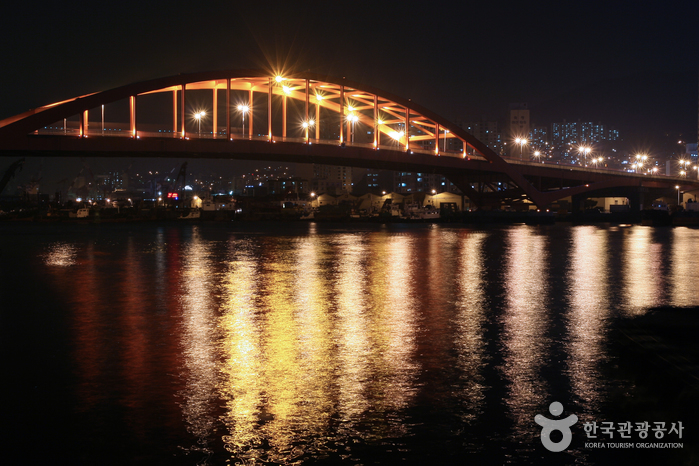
<point>519,129</point>
<point>326,178</point>
<point>293,185</point>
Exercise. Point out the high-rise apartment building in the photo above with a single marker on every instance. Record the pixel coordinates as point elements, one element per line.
<point>487,132</point>
<point>581,132</point>
<point>519,129</point>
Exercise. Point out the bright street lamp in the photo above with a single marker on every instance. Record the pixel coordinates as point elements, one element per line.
<point>244,109</point>
<point>585,151</point>
<point>522,142</point>
<point>306,125</point>
<point>199,116</point>
<point>354,119</point>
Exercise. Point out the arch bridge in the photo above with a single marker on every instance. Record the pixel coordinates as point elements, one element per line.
<point>304,118</point>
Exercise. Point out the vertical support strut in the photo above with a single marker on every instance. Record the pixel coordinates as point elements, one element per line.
<point>215,116</point>
<point>436,138</point>
<point>317,118</point>
<point>250,120</point>
<point>376,121</point>
<point>407,129</point>
<point>83,124</point>
<point>342,112</point>
<point>182,115</point>
<point>283,114</point>
<point>306,117</point>
<point>228,109</point>
<point>269,110</point>
<point>132,115</point>
<point>174,112</point>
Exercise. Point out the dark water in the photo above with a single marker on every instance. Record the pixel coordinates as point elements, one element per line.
<point>334,344</point>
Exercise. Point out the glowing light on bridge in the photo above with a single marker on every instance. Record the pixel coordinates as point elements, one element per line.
<point>397,135</point>
<point>522,142</point>
<point>243,109</point>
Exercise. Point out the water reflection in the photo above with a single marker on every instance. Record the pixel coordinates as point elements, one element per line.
<point>392,328</point>
<point>470,321</point>
<point>685,267</point>
<point>525,324</point>
<point>60,255</point>
<point>198,337</point>
<point>641,284</point>
<point>324,345</point>
<point>588,291</point>
<point>241,385</point>
<point>353,346</point>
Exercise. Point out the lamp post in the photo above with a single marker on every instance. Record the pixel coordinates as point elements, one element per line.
<point>584,151</point>
<point>199,116</point>
<point>522,142</point>
<point>306,125</point>
<point>678,195</point>
<point>244,109</point>
<point>353,118</point>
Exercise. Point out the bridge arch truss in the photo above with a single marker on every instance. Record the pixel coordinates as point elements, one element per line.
<point>303,108</point>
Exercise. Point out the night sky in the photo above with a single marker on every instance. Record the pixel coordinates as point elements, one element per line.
<point>632,65</point>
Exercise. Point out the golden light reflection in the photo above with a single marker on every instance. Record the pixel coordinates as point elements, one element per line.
<point>525,323</point>
<point>470,318</point>
<point>312,294</point>
<point>241,384</point>
<point>392,330</point>
<point>685,267</point>
<point>198,343</point>
<point>354,346</point>
<point>282,372</point>
<point>61,255</point>
<point>643,275</point>
<point>588,289</point>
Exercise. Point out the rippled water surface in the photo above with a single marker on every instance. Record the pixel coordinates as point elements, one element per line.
<point>329,344</point>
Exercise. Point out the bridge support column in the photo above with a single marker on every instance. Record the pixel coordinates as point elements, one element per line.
<point>269,109</point>
<point>376,121</point>
<point>306,113</point>
<point>578,203</point>
<point>228,109</point>
<point>250,119</point>
<point>317,119</point>
<point>83,124</point>
<point>215,113</point>
<point>182,115</point>
<point>342,114</point>
<point>132,115</point>
<point>174,112</point>
<point>637,199</point>
<point>436,138</point>
<point>407,129</point>
<point>284,116</point>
